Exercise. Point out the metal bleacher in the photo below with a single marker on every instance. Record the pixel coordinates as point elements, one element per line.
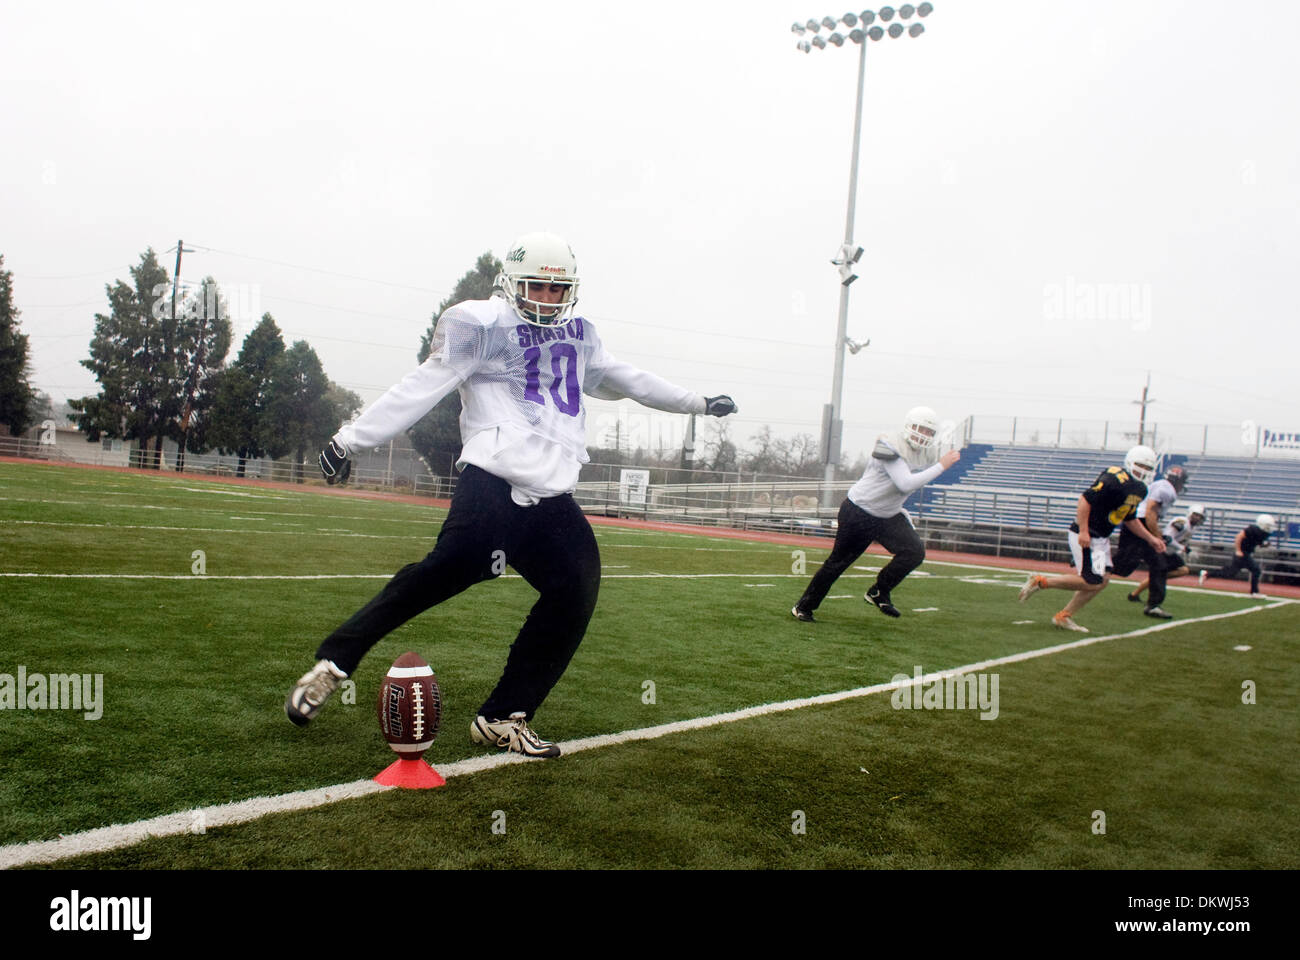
<point>1016,501</point>
<point>1271,485</point>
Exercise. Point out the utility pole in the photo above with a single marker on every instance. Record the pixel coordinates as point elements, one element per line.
<point>688,445</point>
<point>176,276</point>
<point>192,381</point>
<point>1142,420</point>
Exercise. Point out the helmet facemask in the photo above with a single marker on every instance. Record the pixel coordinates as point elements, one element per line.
<point>535,265</point>
<point>920,428</point>
<point>1140,463</point>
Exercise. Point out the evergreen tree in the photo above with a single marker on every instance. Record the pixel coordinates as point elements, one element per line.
<point>17,400</point>
<point>151,366</point>
<point>240,395</point>
<point>301,411</point>
<point>204,334</point>
<point>436,437</point>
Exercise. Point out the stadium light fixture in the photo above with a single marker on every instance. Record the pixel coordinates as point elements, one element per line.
<point>850,253</point>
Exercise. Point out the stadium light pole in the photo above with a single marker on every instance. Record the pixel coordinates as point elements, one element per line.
<point>849,254</point>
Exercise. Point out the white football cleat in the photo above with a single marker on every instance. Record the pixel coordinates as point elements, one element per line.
<point>312,691</point>
<point>513,735</point>
<point>1031,587</point>
<point>1065,622</point>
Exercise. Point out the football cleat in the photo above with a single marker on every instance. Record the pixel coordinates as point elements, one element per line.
<point>1135,597</point>
<point>1031,587</point>
<point>512,735</point>
<point>1200,578</point>
<point>804,615</point>
<point>881,601</point>
<point>1158,613</point>
<point>1065,622</point>
<point>312,691</point>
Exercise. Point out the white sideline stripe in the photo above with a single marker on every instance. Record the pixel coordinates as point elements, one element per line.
<point>114,837</point>
<point>514,576</point>
<point>222,530</point>
<point>384,576</point>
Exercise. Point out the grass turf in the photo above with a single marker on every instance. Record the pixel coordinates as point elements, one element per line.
<point>1149,730</point>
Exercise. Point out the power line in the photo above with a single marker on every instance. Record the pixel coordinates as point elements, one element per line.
<point>74,276</point>
<point>332,273</point>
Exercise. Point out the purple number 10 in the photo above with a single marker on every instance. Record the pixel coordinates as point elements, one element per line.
<point>571,402</point>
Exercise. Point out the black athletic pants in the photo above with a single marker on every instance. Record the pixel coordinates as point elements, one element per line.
<point>1236,565</point>
<point>1133,552</point>
<point>552,547</point>
<point>857,531</point>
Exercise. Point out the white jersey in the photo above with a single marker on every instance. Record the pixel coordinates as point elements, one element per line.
<point>521,386</point>
<point>895,472</point>
<point>1179,532</point>
<point>1162,494</point>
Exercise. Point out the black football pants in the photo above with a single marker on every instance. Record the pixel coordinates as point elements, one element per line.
<point>857,531</point>
<point>1134,552</point>
<point>1235,566</point>
<point>552,547</point>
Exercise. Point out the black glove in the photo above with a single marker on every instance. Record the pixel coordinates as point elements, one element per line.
<point>334,463</point>
<point>720,405</point>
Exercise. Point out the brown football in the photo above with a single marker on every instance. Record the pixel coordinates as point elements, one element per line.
<point>410,706</point>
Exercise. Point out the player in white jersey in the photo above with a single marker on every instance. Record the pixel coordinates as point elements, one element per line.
<point>901,464</point>
<point>1178,543</point>
<point>1134,550</point>
<point>522,363</point>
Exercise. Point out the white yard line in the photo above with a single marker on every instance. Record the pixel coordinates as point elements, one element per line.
<point>243,811</point>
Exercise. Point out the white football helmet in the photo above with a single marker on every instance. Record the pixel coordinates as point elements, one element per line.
<point>920,427</point>
<point>533,261</point>
<point>1266,522</point>
<point>1140,463</point>
<point>1196,514</point>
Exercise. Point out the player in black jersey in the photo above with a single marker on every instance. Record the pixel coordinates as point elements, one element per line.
<point>1112,500</point>
<point>1243,546</point>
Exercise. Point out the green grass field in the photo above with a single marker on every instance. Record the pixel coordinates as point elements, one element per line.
<point>97,573</point>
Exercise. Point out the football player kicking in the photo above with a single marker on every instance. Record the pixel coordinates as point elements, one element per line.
<point>522,363</point>
<point>901,464</point>
<point>1134,551</point>
<point>1178,547</point>
<point>1109,502</point>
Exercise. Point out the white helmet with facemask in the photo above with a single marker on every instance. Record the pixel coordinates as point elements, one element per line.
<point>535,262</point>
